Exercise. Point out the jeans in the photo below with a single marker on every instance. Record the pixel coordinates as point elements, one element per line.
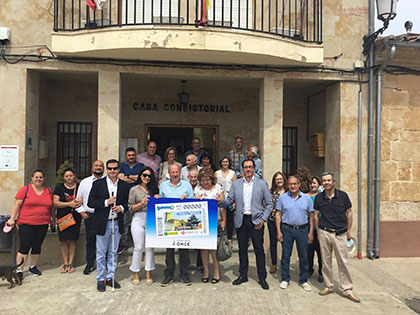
<point>301,237</point>
<point>312,248</point>
<point>105,251</point>
<point>90,241</point>
<point>273,241</point>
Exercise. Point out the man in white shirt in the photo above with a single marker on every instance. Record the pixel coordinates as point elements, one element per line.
<point>87,214</point>
<point>109,198</point>
<point>191,162</point>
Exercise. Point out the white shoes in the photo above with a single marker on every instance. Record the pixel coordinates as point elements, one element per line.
<point>284,284</point>
<point>305,286</point>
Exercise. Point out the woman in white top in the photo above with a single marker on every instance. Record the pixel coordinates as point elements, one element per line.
<point>209,189</point>
<point>225,177</point>
<point>170,156</point>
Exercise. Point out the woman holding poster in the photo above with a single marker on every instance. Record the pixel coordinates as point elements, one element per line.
<point>209,189</point>
<point>137,203</point>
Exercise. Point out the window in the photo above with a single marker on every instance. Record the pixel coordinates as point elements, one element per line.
<point>289,150</point>
<point>74,144</point>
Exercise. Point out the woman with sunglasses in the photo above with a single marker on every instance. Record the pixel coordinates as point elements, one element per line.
<point>137,204</point>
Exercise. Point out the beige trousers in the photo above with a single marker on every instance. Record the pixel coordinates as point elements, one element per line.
<point>330,242</point>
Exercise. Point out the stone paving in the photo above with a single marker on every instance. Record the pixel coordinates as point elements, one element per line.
<point>385,286</point>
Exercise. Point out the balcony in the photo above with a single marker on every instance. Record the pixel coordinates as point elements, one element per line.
<point>263,32</point>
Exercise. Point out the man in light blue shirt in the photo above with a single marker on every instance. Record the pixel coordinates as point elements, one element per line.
<point>292,225</point>
<point>176,188</point>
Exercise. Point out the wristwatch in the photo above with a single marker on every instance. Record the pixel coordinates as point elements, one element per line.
<point>128,176</point>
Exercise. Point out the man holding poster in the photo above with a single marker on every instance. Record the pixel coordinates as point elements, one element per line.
<point>176,188</point>
<point>253,207</point>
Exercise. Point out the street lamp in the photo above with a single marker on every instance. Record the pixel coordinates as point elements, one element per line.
<point>183,97</point>
<point>387,10</point>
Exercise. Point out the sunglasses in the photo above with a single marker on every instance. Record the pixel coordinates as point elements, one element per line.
<point>112,168</point>
<point>146,175</point>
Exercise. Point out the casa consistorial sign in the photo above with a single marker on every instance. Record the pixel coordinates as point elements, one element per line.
<point>201,108</point>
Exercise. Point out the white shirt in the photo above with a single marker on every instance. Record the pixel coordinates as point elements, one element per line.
<point>83,192</point>
<point>112,190</point>
<point>248,195</point>
<point>184,172</point>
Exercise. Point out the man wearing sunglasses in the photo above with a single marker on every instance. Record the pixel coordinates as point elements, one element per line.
<point>128,173</point>
<point>109,197</point>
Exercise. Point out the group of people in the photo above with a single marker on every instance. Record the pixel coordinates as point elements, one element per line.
<point>319,221</point>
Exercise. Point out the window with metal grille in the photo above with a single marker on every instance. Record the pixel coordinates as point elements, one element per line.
<point>289,150</point>
<point>74,144</point>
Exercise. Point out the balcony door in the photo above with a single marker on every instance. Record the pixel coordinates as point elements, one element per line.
<point>235,13</point>
<point>149,11</point>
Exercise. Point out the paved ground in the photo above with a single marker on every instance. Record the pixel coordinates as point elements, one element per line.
<point>386,286</point>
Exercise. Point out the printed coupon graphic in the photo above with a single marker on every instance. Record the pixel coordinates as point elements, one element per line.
<point>175,223</point>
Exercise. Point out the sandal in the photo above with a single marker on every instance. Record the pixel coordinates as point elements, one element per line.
<point>135,281</point>
<point>64,269</point>
<point>149,281</point>
<point>214,280</point>
<point>205,280</point>
<point>70,269</point>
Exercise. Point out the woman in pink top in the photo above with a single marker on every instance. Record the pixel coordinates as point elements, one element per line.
<point>34,211</point>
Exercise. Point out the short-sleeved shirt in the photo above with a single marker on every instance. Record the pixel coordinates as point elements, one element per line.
<point>333,211</point>
<point>183,188</point>
<point>35,209</point>
<point>128,170</point>
<point>294,211</point>
<point>154,164</point>
<point>208,194</point>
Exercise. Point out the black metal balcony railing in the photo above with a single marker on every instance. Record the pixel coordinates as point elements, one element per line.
<point>296,19</point>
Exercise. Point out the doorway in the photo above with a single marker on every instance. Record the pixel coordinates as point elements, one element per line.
<point>180,138</point>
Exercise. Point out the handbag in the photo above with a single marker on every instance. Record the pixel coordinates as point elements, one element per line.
<point>224,251</point>
<point>68,220</point>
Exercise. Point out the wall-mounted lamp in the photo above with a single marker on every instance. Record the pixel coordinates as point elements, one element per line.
<point>183,97</point>
<point>387,10</point>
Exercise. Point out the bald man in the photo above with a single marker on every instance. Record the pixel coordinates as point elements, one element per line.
<point>87,213</point>
<point>191,162</point>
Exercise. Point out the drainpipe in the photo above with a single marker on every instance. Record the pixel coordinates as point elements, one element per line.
<point>359,179</point>
<point>378,147</point>
<point>371,62</point>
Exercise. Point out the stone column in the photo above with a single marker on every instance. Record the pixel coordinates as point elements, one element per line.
<point>109,115</point>
<point>271,125</point>
<point>13,90</point>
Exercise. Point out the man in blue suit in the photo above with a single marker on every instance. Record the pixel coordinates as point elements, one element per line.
<point>109,197</point>
<point>253,207</point>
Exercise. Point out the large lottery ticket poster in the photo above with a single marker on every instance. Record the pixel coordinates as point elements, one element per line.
<point>175,223</point>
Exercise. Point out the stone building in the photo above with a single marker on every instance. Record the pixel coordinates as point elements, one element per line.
<point>79,85</point>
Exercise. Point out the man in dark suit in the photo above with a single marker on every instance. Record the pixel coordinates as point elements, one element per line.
<point>253,207</point>
<point>109,197</point>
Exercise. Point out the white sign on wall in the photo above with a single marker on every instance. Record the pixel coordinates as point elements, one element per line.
<point>9,158</point>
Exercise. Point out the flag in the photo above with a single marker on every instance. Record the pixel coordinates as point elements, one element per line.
<point>91,4</point>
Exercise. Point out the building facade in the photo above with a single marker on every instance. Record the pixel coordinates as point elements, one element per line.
<point>80,84</point>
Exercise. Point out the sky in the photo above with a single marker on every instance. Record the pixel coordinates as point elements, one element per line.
<point>407,10</point>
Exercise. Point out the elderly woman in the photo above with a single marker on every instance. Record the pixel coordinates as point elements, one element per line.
<point>209,189</point>
<point>278,187</point>
<point>65,201</point>
<point>137,204</point>
<point>170,157</point>
<point>34,210</point>
<point>225,177</point>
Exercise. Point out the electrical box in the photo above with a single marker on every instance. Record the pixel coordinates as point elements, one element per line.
<point>4,34</point>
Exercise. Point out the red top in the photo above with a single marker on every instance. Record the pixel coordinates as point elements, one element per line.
<point>35,209</point>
